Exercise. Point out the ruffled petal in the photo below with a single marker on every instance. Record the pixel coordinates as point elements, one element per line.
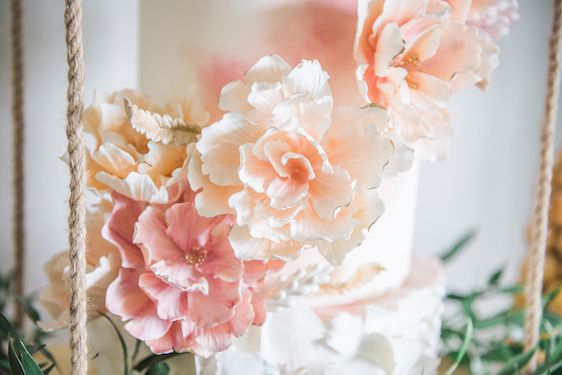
<point>211,200</point>
<point>120,227</point>
<point>307,78</point>
<point>215,308</point>
<point>151,233</point>
<point>391,43</point>
<point>268,69</point>
<point>220,147</point>
<point>171,302</point>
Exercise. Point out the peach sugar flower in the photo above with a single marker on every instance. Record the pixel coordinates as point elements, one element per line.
<point>122,159</point>
<point>102,267</point>
<point>413,54</point>
<point>180,286</point>
<point>294,172</point>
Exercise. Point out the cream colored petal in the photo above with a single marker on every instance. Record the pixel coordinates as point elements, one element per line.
<point>286,192</point>
<point>268,69</point>
<point>330,191</point>
<point>139,187</point>
<point>390,44</point>
<point>254,172</point>
<point>432,88</point>
<point>211,200</point>
<point>162,160</point>
<point>234,97</point>
<point>264,97</point>
<point>313,114</point>
<point>189,107</point>
<point>244,202</point>
<point>424,47</point>
<point>356,143</point>
<point>307,78</point>
<point>457,54</point>
<point>247,247</point>
<point>114,160</point>
<point>220,147</point>
<point>308,226</point>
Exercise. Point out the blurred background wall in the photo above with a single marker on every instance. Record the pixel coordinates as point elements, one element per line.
<point>486,184</point>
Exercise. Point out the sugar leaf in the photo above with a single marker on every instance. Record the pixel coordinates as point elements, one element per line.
<point>161,128</point>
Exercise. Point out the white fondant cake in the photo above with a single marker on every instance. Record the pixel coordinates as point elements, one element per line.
<point>395,333</point>
<point>374,314</point>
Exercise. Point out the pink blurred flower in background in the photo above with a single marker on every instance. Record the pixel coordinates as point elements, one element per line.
<point>494,17</point>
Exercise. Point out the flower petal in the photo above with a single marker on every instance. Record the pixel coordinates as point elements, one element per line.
<point>330,191</point>
<point>307,78</point>
<point>233,97</point>
<point>247,247</point>
<point>120,227</point>
<point>268,69</point>
<point>390,44</point>
<point>211,200</point>
<point>215,308</point>
<point>151,233</point>
<point>220,147</point>
<point>171,302</point>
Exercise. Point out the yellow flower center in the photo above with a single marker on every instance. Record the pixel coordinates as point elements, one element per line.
<point>196,256</point>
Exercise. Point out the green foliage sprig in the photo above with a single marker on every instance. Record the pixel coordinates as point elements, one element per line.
<point>492,343</point>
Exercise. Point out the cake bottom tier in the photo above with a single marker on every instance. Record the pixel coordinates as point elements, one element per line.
<point>394,333</point>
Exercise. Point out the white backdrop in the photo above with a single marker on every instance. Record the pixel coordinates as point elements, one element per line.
<point>487,182</point>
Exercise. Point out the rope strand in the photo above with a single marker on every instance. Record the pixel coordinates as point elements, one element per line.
<point>533,290</point>
<point>77,166</point>
<point>18,157</point>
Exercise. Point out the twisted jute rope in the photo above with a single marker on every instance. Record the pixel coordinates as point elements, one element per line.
<point>77,166</point>
<point>18,150</point>
<point>534,284</point>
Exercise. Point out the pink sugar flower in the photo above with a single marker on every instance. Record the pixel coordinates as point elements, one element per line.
<point>413,54</point>
<point>180,286</point>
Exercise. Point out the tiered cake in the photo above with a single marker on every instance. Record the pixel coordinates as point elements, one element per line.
<point>375,313</point>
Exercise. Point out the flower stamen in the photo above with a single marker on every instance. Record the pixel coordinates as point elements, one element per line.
<point>196,256</point>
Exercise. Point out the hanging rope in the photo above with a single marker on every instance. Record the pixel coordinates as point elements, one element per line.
<point>77,166</point>
<point>18,157</point>
<point>533,291</point>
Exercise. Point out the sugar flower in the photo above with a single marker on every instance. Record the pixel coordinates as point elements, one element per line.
<point>121,157</point>
<point>295,173</point>
<point>493,17</point>
<point>412,55</point>
<point>102,267</point>
<point>341,347</point>
<point>180,286</point>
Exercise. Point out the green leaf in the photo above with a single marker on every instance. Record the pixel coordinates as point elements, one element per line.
<point>159,369</point>
<point>30,367</point>
<point>494,280</point>
<point>16,366</point>
<point>123,345</point>
<point>153,359</point>
<point>469,332</point>
<point>517,363</point>
<point>458,246</point>
<point>136,351</point>
<point>47,370</point>
<point>501,319</point>
<point>6,328</point>
<point>30,311</point>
